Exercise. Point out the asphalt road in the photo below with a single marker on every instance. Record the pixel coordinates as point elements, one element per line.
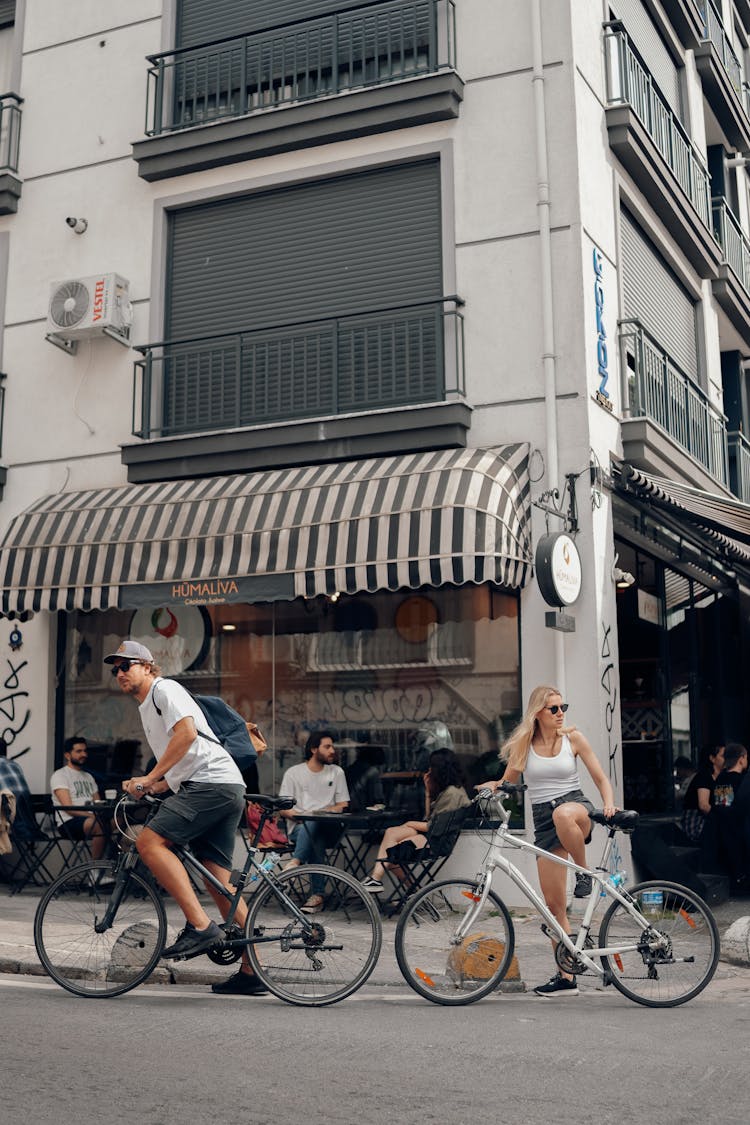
<point>163,1056</point>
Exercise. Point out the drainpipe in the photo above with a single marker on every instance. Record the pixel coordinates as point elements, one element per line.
<point>545,252</point>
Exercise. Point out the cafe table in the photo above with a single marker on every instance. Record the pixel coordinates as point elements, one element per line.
<point>102,811</point>
<point>356,832</point>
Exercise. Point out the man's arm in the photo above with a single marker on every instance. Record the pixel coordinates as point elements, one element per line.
<point>183,737</point>
<point>64,798</point>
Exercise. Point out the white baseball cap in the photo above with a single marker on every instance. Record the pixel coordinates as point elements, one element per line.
<point>130,650</point>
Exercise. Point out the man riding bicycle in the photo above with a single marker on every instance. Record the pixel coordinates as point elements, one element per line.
<point>204,808</point>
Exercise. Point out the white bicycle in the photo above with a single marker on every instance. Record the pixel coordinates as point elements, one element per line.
<point>658,942</point>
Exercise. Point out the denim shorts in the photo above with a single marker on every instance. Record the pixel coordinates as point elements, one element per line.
<point>204,816</point>
<point>545,834</point>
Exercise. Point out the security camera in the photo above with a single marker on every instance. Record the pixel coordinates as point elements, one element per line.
<point>78,225</point>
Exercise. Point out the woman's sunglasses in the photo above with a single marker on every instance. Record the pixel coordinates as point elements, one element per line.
<point>124,666</point>
<point>558,707</point>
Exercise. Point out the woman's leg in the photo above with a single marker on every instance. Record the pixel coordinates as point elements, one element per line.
<point>553,880</point>
<point>572,826</point>
<point>392,836</point>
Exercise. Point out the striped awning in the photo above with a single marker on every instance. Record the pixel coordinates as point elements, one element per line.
<point>448,516</point>
<point>723,520</point>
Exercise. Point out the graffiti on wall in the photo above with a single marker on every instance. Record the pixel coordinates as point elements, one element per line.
<point>14,707</point>
<point>608,682</point>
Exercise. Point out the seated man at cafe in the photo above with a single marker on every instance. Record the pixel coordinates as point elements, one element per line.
<point>317,785</point>
<point>72,786</point>
<point>12,778</point>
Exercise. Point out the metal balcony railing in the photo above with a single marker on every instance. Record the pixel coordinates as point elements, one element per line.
<point>739,464</point>
<point>630,83</point>
<point>733,241</point>
<point>356,363</point>
<point>10,131</point>
<point>716,34</point>
<point>659,390</point>
<point>3,377</point>
<point>366,45</point>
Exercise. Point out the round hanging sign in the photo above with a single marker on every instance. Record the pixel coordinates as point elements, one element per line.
<point>558,569</point>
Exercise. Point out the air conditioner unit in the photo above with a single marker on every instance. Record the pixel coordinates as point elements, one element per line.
<point>82,307</point>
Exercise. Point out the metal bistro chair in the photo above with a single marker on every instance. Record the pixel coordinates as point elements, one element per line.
<point>421,866</point>
<point>33,845</point>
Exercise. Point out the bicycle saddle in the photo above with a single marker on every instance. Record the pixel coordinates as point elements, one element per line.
<point>272,804</point>
<point>626,819</point>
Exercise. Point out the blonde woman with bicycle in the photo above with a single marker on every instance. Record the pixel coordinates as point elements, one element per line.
<point>547,752</point>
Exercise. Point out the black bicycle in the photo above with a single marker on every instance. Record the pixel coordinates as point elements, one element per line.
<point>100,928</point>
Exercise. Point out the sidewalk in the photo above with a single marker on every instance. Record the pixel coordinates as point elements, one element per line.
<point>533,950</point>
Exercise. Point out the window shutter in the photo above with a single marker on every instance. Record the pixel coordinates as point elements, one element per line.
<point>649,44</point>
<point>202,22</point>
<point>654,295</point>
<point>274,267</point>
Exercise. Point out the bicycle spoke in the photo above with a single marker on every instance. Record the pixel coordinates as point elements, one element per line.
<point>674,959</point>
<point>449,949</point>
<point>324,956</point>
<point>94,964</point>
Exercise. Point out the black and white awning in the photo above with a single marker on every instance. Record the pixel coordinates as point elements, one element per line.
<point>448,516</point>
<point>723,520</point>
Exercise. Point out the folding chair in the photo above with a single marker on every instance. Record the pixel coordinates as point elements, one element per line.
<point>421,866</point>
<point>32,847</point>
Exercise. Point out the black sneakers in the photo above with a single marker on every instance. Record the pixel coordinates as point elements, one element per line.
<point>190,942</point>
<point>557,986</point>
<point>241,984</point>
<point>583,886</point>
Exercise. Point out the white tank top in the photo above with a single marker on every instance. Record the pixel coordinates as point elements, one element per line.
<point>548,778</point>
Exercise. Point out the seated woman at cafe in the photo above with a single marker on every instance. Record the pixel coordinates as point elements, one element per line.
<point>444,787</point>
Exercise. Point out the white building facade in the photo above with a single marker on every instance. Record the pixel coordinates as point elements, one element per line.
<point>404,285</point>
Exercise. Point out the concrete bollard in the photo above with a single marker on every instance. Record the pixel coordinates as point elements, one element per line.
<point>735,944</point>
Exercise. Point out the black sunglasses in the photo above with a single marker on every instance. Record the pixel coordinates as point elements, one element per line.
<point>558,707</point>
<point>124,666</point>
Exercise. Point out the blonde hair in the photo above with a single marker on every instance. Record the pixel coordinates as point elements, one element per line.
<point>515,750</point>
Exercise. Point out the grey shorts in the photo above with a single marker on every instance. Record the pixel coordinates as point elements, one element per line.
<point>545,835</point>
<point>204,816</point>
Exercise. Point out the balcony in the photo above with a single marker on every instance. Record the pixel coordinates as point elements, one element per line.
<point>384,380</point>
<point>672,425</point>
<point>739,465</point>
<point>686,17</point>
<point>723,81</point>
<point>380,66</point>
<point>10,139</point>
<point>732,287</point>
<point>653,146</point>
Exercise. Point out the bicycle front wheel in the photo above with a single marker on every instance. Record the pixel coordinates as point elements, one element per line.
<point>75,907</point>
<point>441,957</point>
<point>674,959</point>
<point>325,956</point>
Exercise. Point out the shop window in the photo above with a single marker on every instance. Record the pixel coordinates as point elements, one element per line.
<point>407,672</point>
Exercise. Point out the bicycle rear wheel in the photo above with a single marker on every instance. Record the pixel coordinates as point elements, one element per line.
<point>441,966</point>
<point>330,954</point>
<point>93,964</point>
<point>673,962</point>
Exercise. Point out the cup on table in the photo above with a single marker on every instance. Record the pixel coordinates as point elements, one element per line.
<point>110,794</point>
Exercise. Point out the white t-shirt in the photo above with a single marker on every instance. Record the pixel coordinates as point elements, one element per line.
<point>549,778</point>
<point>205,761</point>
<point>80,785</point>
<point>313,791</point>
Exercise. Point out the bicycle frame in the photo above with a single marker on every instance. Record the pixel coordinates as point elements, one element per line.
<point>241,882</point>
<point>495,860</point>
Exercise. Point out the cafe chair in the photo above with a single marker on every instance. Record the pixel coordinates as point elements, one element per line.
<point>422,866</point>
<point>33,847</point>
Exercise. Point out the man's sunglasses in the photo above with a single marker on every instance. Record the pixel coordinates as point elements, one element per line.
<point>124,666</point>
<point>558,707</point>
